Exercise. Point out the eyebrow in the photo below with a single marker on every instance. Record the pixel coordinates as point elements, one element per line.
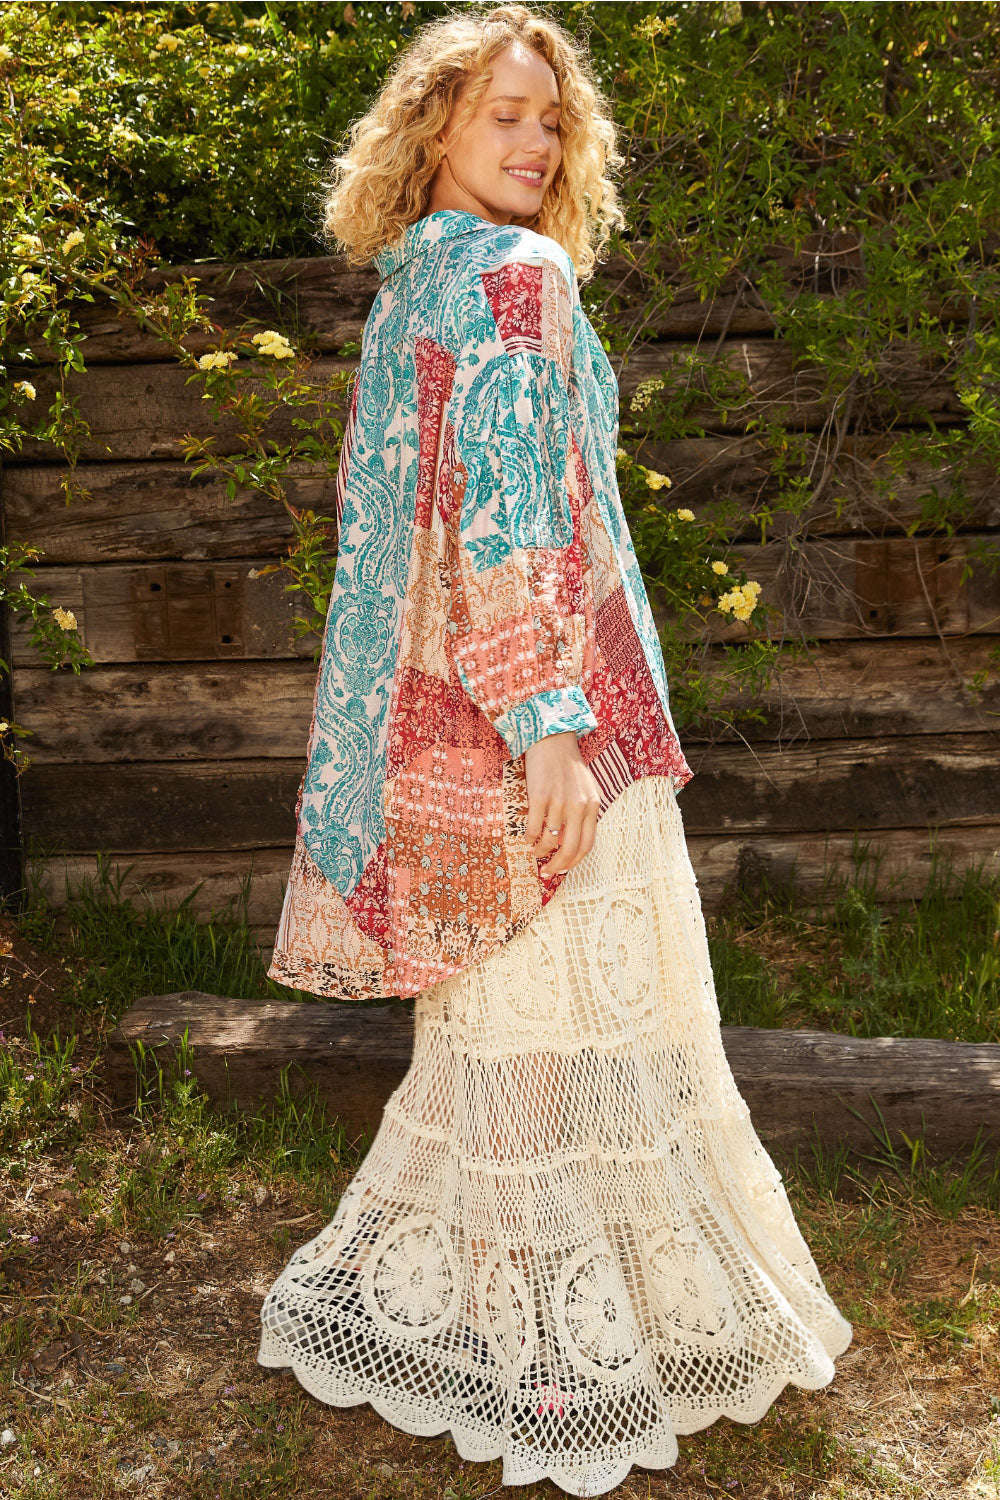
<point>523,99</point>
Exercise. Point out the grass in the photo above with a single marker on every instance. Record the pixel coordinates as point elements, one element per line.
<point>135,1246</point>
<point>861,962</point>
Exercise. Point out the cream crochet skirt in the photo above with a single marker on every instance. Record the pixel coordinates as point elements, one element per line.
<point>566,1243</point>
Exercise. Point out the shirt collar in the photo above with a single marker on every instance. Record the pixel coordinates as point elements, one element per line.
<point>443,224</point>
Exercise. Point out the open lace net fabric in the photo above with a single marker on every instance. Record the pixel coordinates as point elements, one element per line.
<point>566,1243</point>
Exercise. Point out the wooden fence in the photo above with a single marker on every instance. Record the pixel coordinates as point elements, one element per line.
<point>180,752</point>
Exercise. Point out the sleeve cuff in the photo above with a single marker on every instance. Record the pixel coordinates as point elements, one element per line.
<point>551,712</point>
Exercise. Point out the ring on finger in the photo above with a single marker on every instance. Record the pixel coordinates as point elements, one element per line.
<point>553,831</point>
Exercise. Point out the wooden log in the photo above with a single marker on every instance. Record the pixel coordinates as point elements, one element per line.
<point>799,1085</point>
<point>804,866</point>
<point>152,511</point>
<point>142,411</point>
<point>212,711</point>
<point>831,590</point>
<point>827,787</point>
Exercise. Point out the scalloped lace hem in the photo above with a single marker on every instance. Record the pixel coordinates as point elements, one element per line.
<point>588,1475</point>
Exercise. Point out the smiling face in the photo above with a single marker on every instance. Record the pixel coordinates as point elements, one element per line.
<point>504,160</point>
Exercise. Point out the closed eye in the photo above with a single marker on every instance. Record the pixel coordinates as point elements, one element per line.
<point>504,120</point>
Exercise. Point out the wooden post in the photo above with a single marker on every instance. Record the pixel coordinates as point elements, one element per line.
<point>11,829</point>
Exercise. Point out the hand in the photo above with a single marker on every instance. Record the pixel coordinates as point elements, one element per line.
<point>562,794</point>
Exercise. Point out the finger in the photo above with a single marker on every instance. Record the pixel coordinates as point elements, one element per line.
<point>589,830</point>
<point>551,819</point>
<point>565,855</point>
<point>589,817</point>
<point>541,815</point>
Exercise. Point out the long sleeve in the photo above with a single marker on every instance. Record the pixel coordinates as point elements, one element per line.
<point>521,621</point>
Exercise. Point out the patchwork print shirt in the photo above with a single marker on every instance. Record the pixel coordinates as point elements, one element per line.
<point>486,594</point>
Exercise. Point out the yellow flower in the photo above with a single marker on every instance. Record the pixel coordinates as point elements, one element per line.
<point>621,454</point>
<point>74,238</point>
<point>28,244</point>
<point>217,359</point>
<point>204,72</point>
<point>740,600</point>
<point>124,135</point>
<point>3,725</point>
<point>752,587</point>
<point>26,389</point>
<point>242,50</point>
<point>65,617</point>
<point>685,515</point>
<point>652,510</point>
<point>71,96</point>
<point>643,391</point>
<point>719,566</point>
<point>167,44</point>
<point>656,481</point>
<point>6,55</point>
<point>273,343</point>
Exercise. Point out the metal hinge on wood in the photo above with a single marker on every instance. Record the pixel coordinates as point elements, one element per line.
<point>187,613</point>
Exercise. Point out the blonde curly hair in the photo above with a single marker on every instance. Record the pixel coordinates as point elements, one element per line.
<point>381,183</point>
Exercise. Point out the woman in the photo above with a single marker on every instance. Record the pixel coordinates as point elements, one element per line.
<point>566,1243</point>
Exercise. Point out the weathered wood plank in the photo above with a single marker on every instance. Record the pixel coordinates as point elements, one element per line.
<point>171,711</point>
<point>141,411</point>
<point>834,590</point>
<point>738,471</point>
<point>801,864</point>
<point>797,1084</point>
<point>146,512</point>
<point>871,784</point>
<point>107,602</point>
<point>331,299</point>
